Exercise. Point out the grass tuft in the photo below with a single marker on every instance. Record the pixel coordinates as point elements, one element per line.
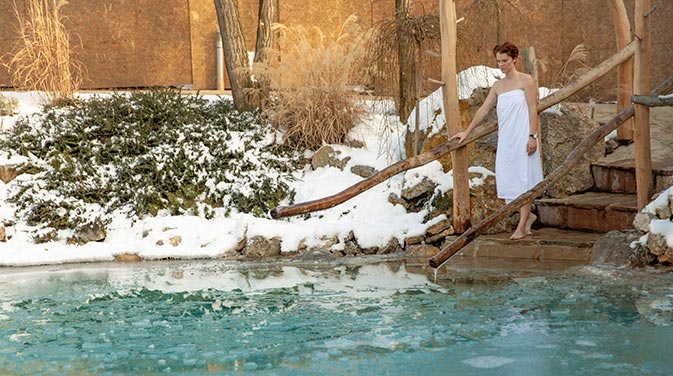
<point>313,103</point>
<point>41,60</point>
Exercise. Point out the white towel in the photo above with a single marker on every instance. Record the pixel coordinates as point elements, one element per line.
<point>515,171</point>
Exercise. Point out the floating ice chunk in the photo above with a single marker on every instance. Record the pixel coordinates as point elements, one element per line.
<point>488,361</point>
<point>583,342</point>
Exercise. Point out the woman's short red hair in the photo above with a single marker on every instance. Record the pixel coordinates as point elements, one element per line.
<point>506,48</point>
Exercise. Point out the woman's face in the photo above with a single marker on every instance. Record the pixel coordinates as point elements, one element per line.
<point>505,62</point>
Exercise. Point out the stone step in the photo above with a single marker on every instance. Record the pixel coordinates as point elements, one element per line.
<point>620,177</point>
<point>546,244</point>
<point>590,211</point>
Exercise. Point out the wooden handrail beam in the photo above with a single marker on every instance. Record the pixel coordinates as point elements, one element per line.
<point>652,101</point>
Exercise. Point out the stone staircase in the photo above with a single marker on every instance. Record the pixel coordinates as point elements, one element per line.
<point>610,205</point>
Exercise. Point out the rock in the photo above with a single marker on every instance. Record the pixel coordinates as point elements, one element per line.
<point>484,201</point>
<point>326,242</point>
<point>3,234</point>
<point>370,251</point>
<point>260,247</point>
<point>642,221</point>
<point>610,146</point>
<point>356,144</point>
<point>7,173</point>
<point>351,248</point>
<point>394,199</point>
<point>664,211</point>
<point>641,257</point>
<point>363,171</point>
<point>159,242</point>
<point>392,247</point>
<point>615,247</point>
<point>663,182</point>
<point>441,236</point>
<point>414,240</point>
<point>422,250</point>
<point>127,257</point>
<point>90,232</point>
<point>656,243</point>
<point>241,245</point>
<point>175,240</point>
<point>438,227</point>
<point>327,156</point>
<point>560,135</point>
<point>423,188</point>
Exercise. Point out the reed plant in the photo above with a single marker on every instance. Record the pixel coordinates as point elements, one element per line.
<point>42,58</point>
<point>314,103</point>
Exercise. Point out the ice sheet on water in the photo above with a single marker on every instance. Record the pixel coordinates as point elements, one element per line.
<point>488,361</point>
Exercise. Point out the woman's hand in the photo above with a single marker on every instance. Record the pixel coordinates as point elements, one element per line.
<point>531,146</point>
<point>460,136</point>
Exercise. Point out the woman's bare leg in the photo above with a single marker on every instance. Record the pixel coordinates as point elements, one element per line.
<point>522,228</point>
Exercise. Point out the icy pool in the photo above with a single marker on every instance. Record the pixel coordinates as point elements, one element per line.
<point>387,318</point>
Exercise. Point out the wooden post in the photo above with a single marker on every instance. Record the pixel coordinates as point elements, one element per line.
<point>625,70</point>
<point>461,183</point>
<point>641,86</point>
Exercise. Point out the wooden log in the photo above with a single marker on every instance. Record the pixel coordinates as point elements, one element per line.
<point>641,86</point>
<point>424,158</point>
<point>459,159</point>
<point>571,160</point>
<point>651,101</point>
<point>624,70</point>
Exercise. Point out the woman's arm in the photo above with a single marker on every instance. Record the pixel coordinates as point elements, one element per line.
<point>481,113</point>
<point>530,88</point>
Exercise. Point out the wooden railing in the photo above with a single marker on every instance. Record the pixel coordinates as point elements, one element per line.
<point>528,197</point>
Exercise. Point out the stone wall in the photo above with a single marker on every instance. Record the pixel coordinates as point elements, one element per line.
<point>137,43</point>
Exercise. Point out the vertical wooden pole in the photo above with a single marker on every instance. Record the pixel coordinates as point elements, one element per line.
<point>641,86</point>
<point>461,185</point>
<point>625,70</point>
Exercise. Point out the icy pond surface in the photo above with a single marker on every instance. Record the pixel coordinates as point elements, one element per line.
<point>353,318</point>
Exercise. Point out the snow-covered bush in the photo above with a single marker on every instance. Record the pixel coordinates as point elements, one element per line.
<point>143,153</point>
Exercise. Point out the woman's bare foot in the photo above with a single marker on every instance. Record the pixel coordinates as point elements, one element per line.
<point>529,223</point>
<point>517,235</point>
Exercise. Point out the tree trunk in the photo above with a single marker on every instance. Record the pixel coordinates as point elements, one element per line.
<point>235,54</point>
<point>268,14</point>
<point>406,63</point>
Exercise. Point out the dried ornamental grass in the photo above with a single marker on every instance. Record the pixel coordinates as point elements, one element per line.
<point>42,57</point>
<point>314,104</point>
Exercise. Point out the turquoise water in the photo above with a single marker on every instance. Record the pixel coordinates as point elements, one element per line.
<point>387,318</point>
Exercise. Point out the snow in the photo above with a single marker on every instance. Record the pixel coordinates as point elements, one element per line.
<point>373,220</point>
<point>369,216</point>
<point>661,226</point>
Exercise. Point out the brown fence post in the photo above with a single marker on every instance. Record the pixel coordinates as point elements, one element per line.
<point>641,86</point>
<point>625,70</point>
<point>459,160</point>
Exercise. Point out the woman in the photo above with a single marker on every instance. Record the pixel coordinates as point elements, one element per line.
<point>518,166</point>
